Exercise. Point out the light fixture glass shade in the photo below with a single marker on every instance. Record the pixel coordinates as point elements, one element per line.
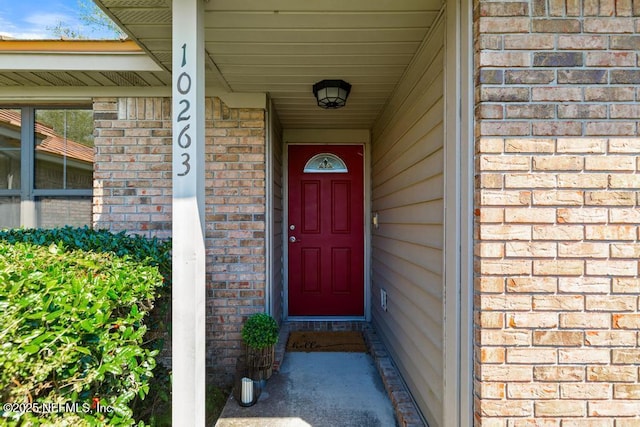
<point>331,94</point>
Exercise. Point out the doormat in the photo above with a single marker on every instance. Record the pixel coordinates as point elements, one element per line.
<point>344,341</point>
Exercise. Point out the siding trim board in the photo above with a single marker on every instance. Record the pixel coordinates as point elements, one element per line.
<point>275,230</point>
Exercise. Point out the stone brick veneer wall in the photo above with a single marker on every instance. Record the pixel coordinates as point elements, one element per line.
<point>132,192</point>
<point>557,148</point>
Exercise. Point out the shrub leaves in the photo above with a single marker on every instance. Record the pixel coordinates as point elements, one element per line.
<point>73,306</point>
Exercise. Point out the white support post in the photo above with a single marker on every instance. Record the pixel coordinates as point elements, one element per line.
<point>188,293</point>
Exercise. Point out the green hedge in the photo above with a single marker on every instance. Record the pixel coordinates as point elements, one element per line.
<point>150,251</point>
<point>73,304</point>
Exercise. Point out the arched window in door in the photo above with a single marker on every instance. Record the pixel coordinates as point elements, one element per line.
<point>325,163</point>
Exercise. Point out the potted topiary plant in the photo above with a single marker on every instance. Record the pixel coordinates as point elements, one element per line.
<point>259,336</point>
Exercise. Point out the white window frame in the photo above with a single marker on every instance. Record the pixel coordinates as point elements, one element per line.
<point>28,193</point>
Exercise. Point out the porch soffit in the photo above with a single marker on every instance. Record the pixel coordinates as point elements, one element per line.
<point>277,47</point>
<point>64,70</point>
<point>283,47</point>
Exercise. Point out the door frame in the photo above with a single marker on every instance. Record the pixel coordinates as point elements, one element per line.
<point>328,137</point>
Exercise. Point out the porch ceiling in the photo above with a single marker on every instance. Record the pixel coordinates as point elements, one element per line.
<point>282,47</point>
<point>60,70</point>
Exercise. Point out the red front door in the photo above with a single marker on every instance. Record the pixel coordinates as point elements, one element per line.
<point>326,230</point>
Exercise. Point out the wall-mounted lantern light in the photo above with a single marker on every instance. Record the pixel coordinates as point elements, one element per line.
<point>331,94</point>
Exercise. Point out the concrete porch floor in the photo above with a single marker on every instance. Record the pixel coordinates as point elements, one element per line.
<point>328,389</point>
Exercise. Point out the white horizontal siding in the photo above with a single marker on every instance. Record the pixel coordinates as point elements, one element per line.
<point>407,248</point>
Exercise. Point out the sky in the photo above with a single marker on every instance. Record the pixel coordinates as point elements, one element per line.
<point>34,19</point>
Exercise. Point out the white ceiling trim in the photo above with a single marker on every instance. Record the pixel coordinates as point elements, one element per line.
<point>12,61</point>
<point>35,94</point>
<point>240,100</point>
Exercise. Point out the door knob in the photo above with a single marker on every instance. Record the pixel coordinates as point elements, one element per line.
<point>293,239</point>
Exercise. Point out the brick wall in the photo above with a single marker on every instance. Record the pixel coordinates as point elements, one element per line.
<point>132,192</point>
<point>557,143</point>
<point>132,169</point>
